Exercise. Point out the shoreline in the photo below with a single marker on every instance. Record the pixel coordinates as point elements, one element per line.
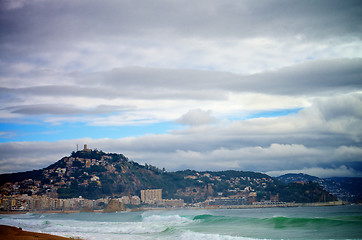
<point>13,233</point>
<point>320,204</point>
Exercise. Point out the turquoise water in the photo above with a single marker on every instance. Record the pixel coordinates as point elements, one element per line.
<point>340,222</point>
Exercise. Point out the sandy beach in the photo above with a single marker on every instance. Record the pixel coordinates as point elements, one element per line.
<point>14,233</point>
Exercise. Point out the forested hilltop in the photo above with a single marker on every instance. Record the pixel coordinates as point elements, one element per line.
<point>344,188</point>
<point>94,174</point>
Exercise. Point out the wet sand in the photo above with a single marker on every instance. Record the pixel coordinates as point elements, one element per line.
<point>14,233</point>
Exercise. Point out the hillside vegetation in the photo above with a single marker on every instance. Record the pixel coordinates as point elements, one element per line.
<point>94,174</point>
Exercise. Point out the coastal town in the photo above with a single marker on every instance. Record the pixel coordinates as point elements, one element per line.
<point>50,202</point>
<point>150,198</point>
<point>91,180</point>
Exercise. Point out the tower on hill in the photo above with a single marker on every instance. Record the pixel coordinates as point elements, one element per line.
<point>86,149</point>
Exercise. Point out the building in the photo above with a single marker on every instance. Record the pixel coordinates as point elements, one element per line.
<point>135,200</point>
<point>151,196</point>
<point>228,201</point>
<point>173,202</point>
<point>86,149</point>
<point>125,200</point>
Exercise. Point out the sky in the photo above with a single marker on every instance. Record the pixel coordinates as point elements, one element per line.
<point>269,86</point>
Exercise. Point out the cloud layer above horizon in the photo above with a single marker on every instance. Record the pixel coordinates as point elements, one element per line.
<point>268,86</point>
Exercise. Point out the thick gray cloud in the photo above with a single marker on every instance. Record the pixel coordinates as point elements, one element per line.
<point>74,20</point>
<point>65,109</point>
<point>308,78</point>
<point>213,66</point>
<point>314,76</point>
<point>89,35</point>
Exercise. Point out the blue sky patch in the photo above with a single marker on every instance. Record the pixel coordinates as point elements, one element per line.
<point>13,132</point>
<point>40,131</point>
<point>277,113</point>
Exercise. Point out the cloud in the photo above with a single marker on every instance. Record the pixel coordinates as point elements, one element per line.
<point>131,63</point>
<point>129,90</point>
<point>306,142</point>
<point>240,37</point>
<point>12,4</point>
<point>342,171</point>
<point>309,78</point>
<point>63,109</point>
<point>196,117</point>
<point>137,82</point>
<point>32,155</point>
<point>205,18</point>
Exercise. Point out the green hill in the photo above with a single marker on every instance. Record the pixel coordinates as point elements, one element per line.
<point>94,174</point>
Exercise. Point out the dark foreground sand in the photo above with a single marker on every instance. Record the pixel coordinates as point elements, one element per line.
<point>14,233</point>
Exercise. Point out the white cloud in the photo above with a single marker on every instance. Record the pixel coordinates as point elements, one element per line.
<point>196,117</point>
<point>304,142</point>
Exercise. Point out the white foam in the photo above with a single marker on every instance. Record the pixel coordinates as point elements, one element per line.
<point>105,227</point>
<point>166,218</point>
<point>152,225</point>
<point>195,235</point>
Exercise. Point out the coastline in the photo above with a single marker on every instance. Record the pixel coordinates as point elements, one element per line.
<point>45,211</point>
<point>280,205</point>
<point>13,233</point>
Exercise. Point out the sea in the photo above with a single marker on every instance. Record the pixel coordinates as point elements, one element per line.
<point>333,222</point>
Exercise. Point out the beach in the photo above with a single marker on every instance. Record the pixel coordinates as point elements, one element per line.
<point>14,233</point>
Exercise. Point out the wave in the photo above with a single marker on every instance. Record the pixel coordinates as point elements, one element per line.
<point>280,222</point>
<point>62,227</point>
<point>166,218</point>
<point>177,234</point>
<point>205,236</point>
<point>194,224</point>
<point>285,222</point>
<point>212,218</point>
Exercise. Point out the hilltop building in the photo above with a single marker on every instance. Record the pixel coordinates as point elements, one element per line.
<point>86,149</point>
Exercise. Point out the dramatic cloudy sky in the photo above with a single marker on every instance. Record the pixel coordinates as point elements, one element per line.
<point>269,86</point>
